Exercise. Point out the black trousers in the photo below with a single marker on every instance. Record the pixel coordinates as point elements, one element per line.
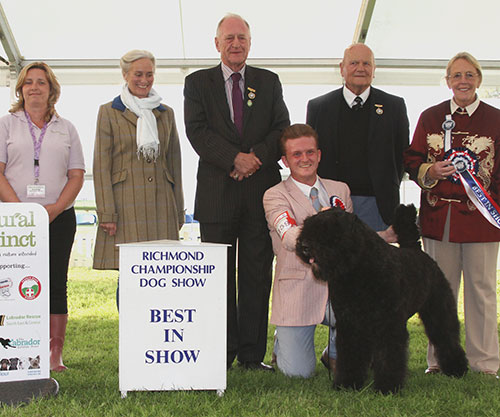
<point>61,236</point>
<point>248,290</point>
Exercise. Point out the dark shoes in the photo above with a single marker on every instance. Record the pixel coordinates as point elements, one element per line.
<point>328,362</point>
<point>257,366</point>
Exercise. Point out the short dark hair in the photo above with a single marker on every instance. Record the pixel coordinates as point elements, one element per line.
<point>296,131</point>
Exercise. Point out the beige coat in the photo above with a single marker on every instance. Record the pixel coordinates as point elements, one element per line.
<point>299,299</point>
<point>143,197</point>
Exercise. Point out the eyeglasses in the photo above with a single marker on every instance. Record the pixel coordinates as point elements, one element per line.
<point>458,76</point>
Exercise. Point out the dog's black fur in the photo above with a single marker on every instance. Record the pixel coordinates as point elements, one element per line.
<point>6,343</point>
<point>374,289</point>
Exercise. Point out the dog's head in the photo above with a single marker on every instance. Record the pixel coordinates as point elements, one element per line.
<point>4,364</point>
<point>332,241</point>
<point>34,362</point>
<point>13,364</point>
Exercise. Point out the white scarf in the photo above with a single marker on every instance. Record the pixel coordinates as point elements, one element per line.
<point>147,130</point>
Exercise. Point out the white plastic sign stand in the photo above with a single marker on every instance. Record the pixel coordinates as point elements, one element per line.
<point>24,292</point>
<point>172,316</point>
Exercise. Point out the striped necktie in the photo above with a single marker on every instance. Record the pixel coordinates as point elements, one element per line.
<point>313,195</point>
<point>358,103</point>
<point>237,102</point>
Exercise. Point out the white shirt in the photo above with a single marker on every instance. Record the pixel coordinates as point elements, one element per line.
<point>228,84</point>
<point>470,109</point>
<point>306,190</point>
<point>349,96</point>
<point>61,151</point>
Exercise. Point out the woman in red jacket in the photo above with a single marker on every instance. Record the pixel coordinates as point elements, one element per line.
<point>453,159</point>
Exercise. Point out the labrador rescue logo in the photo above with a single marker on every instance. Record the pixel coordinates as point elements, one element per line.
<point>30,288</point>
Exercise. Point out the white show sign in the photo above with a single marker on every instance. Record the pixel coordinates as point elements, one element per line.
<point>172,316</point>
<point>24,292</point>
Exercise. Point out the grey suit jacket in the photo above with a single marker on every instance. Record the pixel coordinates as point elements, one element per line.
<point>216,140</point>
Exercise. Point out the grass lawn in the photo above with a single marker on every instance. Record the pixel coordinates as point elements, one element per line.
<point>90,387</point>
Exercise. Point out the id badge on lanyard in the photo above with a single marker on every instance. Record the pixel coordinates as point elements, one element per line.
<point>36,190</point>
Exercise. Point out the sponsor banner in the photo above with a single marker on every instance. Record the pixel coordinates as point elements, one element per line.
<point>24,292</point>
<point>172,316</point>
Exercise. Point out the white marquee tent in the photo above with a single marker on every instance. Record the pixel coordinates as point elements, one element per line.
<point>302,41</point>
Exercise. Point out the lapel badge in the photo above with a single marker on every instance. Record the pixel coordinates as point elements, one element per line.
<point>379,109</point>
<point>251,96</point>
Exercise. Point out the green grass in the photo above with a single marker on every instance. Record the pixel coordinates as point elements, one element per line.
<point>90,387</point>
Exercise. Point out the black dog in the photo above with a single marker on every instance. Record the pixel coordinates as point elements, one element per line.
<point>6,343</point>
<point>374,289</point>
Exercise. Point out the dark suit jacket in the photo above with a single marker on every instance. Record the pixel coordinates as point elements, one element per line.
<point>216,140</point>
<point>389,137</point>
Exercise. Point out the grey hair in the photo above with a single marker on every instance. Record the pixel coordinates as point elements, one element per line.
<point>133,55</point>
<point>228,16</point>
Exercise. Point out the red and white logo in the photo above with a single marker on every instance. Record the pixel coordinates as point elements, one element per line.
<point>30,288</point>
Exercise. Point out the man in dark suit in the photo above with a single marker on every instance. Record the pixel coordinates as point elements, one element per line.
<point>234,114</point>
<point>363,132</point>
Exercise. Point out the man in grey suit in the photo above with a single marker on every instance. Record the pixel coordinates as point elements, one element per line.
<point>234,114</point>
<point>363,132</point>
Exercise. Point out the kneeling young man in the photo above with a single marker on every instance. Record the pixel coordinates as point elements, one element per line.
<point>300,301</point>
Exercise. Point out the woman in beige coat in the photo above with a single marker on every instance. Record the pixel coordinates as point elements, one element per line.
<point>137,165</point>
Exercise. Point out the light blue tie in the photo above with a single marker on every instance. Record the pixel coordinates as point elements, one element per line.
<point>313,195</point>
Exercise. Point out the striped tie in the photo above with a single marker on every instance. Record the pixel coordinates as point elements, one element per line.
<point>313,195</point>
<point>358,103</point>
<point>237,102</point>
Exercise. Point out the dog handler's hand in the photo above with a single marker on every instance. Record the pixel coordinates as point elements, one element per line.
<point>389,235</point>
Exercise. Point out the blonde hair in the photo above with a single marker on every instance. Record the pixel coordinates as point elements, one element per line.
<point>470,59</point>
<point>55,88</point>
<point>133,55</point>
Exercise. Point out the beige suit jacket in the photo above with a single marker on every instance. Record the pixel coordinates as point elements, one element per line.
<point>298,298</point>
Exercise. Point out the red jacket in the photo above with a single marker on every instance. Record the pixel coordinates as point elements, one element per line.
<point>479,133</point>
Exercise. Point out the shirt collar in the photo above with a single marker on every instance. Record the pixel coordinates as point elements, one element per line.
<point>20,114</point>
<point>349,96</point>
<point>227,72</point>
<point>304,188</point>
<point>470,109</point>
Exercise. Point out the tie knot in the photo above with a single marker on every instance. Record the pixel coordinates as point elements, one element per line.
<point>358,103</point>
<point>314,192</point>
<point>236,76</point>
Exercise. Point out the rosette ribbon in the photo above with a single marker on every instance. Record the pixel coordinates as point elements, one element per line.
<point>465,162</point>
